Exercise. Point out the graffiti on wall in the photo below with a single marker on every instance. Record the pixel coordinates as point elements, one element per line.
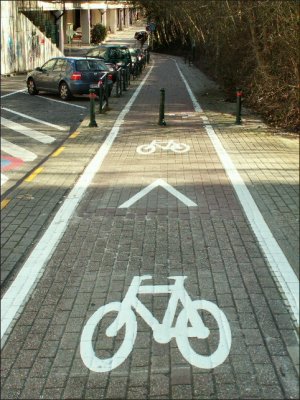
<point>34,46</point>
<point>11,56</point>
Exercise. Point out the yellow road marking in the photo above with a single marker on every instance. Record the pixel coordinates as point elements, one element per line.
<point>34,174</point>
<point>58,151</point>
<point>4,203</point>
<point>74,134</point>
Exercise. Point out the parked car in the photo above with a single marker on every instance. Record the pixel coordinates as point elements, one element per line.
<point>68,76</point>
<point>114,56</point>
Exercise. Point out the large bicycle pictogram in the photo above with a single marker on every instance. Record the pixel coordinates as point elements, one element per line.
<point>189,324</point>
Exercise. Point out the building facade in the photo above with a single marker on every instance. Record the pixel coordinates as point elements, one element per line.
<point>34,31</point>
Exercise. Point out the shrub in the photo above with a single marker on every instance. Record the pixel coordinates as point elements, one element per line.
<point>98,33</point>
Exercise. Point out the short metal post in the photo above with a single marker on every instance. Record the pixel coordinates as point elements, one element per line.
<point>124,78</point>
<point>161,120</point>
<point>128,73</point>
<point>100,97</point>
<point>106,90</point>
<point>92,95</point>
<point>239,95</point>
<point>120,81</point>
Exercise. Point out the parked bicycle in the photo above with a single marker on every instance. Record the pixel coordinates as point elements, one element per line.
<point>189,324</point>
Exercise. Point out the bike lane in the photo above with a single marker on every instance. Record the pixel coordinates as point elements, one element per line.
<point>188,223</point>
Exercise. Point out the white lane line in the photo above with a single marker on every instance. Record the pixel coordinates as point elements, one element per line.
<point>60,101</point>
<point>159,182</point>
<point>279,264</point>
<point>19,291</point>
<point>10,94</point>
<point>60,128</point>
<point>17,151</point>
<point>24,130</point>
<point>4,179</point>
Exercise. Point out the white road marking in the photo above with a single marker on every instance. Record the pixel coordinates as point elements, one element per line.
<point>60,101</point>
<point>24,130</point>
<point>189,324</point>
<point>278,262</point>
<point>159,182</point>
<point>17,151</point>
<point>34,119</point>
<point>4,179</point>
<point>19,291</point>
<point>10,94</point>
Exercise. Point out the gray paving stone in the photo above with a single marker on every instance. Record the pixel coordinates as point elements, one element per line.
<point>74,388</point>
<point>159,385</point>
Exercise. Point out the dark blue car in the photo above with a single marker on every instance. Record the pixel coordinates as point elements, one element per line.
<point>68,76</point>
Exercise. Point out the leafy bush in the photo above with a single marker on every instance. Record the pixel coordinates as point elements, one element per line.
<point>98,33</point>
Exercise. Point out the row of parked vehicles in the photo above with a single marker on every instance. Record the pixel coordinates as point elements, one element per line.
<point>71,76</point>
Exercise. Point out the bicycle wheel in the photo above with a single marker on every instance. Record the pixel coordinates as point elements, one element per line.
<point>222,351</point>
<point>180,148</point>
<point>146,149</point>
<point>87,352</point>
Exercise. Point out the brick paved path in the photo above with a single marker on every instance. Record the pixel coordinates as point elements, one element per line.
<point>104,247</point>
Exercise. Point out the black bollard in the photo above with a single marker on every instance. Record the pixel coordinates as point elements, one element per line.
<point>100,84</point>
<point>106,90</point>
<point>93,122</point>
<point>161,120</point>
<point>239,95</point>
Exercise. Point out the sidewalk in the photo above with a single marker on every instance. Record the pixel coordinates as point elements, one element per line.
<point>196,228</point>
<point>124,37</point>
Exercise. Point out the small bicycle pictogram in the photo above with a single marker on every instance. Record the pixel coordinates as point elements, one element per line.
<point>159,144</point>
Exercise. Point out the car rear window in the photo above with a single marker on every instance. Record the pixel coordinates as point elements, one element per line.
<point>88,65</point>
<point>115,53</point>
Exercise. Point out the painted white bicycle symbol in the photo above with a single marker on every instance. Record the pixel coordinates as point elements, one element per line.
<point>189,324</point>
<point>169,145</point>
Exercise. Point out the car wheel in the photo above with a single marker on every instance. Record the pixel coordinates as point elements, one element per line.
<point>32,90</point>
<point>64,91</point>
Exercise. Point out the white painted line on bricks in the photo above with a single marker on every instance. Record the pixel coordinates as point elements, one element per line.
<point>159,182</point>
<point>17,151</point>
<point>19,291</point>
<point>4,179</point>
<point>60,128</point>
<point>10,94</point>
<point>59,101</point>
<point>279,264</point>
<point>24,130</point>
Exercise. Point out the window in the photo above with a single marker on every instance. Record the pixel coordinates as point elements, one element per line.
<point>49,64</point>
<point>82,65</point>
<point>61,65</point>
<point>97,65</point>
<point>93,53</point>
<point>86,65</point>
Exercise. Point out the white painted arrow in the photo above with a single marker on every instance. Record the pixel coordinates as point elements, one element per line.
<point>159,182</point>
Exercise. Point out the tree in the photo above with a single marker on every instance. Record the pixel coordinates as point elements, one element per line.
<point>98,33</point>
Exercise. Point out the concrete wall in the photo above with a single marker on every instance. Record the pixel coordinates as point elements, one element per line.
<point>23,46</point>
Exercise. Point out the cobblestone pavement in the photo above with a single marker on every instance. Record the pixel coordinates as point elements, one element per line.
<point>198,229</point>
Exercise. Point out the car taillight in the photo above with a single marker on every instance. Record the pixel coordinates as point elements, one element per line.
<point>110,77</point>
<point>76,76</point>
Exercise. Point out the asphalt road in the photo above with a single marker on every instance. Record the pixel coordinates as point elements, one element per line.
<point>51,119</point>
